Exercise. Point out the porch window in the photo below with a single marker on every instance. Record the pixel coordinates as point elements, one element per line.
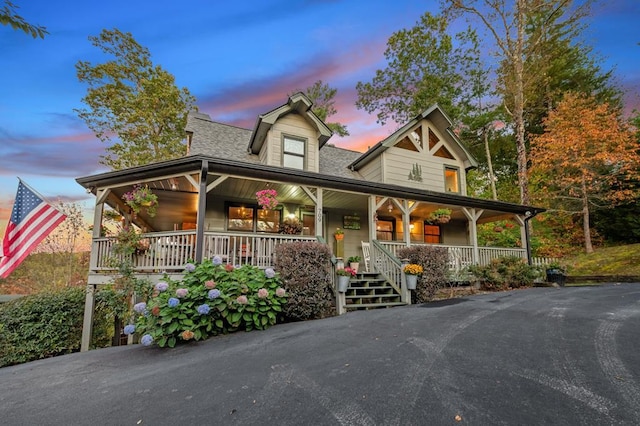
<point>451,179</point>
<point>268,220</point>
<point>252,219</point>
<point>293,153</point>
<point>385,229</point>
<point>432,234</point>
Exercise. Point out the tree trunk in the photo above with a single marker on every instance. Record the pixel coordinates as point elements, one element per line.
<point>588,247</point>
<point>492,178</point>
<point>518,65</point>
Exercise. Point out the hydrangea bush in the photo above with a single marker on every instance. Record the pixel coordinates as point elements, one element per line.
<point>211,299</point>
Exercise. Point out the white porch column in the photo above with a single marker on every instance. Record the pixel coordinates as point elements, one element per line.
<point>319,224</point>
<point>406,222</point>
<point>372,217</point>
<point>472,216</point>
<point>523,231</point>
<point>90,296</point>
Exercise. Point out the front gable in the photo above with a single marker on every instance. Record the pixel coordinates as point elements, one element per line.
<point>290,135</point>
<point>423,154</point>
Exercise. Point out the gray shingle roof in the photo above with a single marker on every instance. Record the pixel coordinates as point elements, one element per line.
<point>218,140</point>
<point>224,141</point>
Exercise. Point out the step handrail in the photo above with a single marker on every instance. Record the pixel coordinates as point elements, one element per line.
<point>387,265</point>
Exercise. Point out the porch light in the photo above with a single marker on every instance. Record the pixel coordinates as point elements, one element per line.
<point>174,185</point>
<point>390,207</point>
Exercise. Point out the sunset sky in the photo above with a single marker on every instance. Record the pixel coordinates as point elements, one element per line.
<point>239,59</point>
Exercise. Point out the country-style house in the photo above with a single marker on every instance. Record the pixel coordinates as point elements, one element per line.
<point>382,199</point>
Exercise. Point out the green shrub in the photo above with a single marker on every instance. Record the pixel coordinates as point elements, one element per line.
<point>305,272</point>
<point>434,262</point>
<point>211,299</point>
<point>45,325</point>
<point>504,273</point>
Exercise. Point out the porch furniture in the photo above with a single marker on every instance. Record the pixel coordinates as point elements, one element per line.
<point>366,254</point>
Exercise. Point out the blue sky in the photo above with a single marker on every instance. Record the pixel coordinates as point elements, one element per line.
<point>239,59</point>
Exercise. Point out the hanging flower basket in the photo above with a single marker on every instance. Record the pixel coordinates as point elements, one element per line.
<point>267,199</point>
<point>440,216</point>
<point>141,197</point>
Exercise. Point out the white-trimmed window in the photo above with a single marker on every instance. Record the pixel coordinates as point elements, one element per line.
<point>452,179</point>
<point>293,152</point>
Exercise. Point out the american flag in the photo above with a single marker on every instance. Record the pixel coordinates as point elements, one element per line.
<point>31,221</point>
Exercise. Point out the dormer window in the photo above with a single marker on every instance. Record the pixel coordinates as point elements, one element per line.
<point>451,179</point>
<point>293,152</point>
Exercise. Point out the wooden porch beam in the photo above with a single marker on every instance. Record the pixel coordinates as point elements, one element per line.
<point>308,191</point>
<point>216,182</point>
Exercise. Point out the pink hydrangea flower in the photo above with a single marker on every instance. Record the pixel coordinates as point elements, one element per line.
<point>210,284</point>
<point>182,292</point>
<point>280,292</point>
<point>242,300</point>
<point>263,293</point>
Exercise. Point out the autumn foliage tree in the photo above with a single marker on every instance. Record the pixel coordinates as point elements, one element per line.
<point>586,157</point>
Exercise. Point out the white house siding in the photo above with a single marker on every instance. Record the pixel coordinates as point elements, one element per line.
<point>373,170</point>
<point>455,233</point>
<point>293,125</point>
<point>353,237</point>
<point>399,162</point>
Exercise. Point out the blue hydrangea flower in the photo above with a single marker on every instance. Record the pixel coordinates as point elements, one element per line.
<point>217,260</point>
<point>173,302</point>
<point>146,340</point>
<point>140,307</point>
<point>270,273</point>
<point>129,329</point>
<point>215,293</point>
<point>203,309</point>
<point>162,286</point>
<point>190,267</point>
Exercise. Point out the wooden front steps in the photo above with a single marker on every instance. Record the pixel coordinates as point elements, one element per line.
<point>369,290</point>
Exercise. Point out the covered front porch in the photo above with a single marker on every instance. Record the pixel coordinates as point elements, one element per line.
<point>207,207</point>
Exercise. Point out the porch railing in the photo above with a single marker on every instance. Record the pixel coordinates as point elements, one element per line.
<point>387,264</point>
<point>461,256</point>
<point>170,251</point>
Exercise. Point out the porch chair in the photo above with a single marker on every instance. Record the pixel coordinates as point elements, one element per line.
<point>366,254</point>
<point>218,246</point>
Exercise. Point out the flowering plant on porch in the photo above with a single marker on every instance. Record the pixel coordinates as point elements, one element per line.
<point>267,198</point>
<point>139,197</point>
<point>413,269</point>
<point>440,216</point>
<point>346,272</point>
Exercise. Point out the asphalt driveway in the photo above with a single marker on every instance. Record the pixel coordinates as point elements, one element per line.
<point>538,356</point>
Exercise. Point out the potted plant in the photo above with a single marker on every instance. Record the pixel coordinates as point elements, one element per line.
<point>440,216</point>
<point>411,271</point>
<point>354,263</point>
<point>128,242</point>
<point>339,234</point>
<point>291,226</point>
<point>267,198</point>
<point>344,275</point>
<point>556,273</point>
<point>141,197</point>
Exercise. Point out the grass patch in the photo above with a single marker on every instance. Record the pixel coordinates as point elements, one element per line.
<point>619,260</point>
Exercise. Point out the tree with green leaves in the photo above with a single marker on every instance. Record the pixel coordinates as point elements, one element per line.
<point>9,16</point>
<point>134,101</point>
<point>323,98</point>
<point>426,65</point>
<point>518,31</point>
